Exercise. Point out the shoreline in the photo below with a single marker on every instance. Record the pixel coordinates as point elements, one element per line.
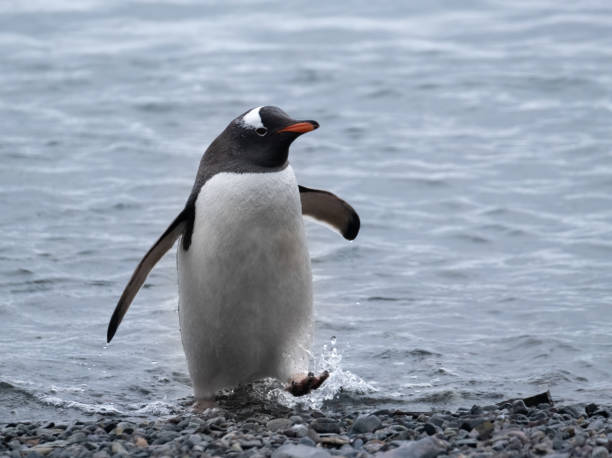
<point>518,427</point>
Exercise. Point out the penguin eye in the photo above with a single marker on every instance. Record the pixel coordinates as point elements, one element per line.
<point>261,131</point>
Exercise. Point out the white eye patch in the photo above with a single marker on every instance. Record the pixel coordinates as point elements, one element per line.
<point>252,119</point>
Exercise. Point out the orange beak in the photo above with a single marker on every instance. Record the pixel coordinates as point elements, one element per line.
<point>300,127</point>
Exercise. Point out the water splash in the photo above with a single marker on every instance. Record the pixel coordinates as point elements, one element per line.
<point>339,381</point>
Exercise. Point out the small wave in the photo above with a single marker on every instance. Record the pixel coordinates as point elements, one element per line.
<point>382,299</point>
<point>154,408</point>
<point>415,353</point>
<point>104,409</point>
<point>8,390</point>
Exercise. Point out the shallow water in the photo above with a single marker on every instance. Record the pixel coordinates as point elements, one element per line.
<point>472,137</point>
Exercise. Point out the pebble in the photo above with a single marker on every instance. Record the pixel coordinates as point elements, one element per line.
<point>600,452</point>
<point>510,429</point>
<point>366,424</point>
<point>428,447</point>
<point>279,424</point>
<point>519,407</point>
<point>300,451</point>
<point>325,425</point>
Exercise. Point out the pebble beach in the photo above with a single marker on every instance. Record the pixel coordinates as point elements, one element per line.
<point>513,428</point>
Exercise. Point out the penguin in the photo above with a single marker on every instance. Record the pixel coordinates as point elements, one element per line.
<point>244,274</point>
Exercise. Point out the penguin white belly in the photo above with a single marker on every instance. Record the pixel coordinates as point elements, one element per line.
<point>245,284</point>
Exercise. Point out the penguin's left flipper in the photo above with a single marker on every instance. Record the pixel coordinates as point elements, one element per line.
<point>306,384</point>
<point>163,244</point>
<point>329,208</point>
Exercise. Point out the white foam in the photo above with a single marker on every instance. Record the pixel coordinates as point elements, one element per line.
<point>339,381</point>
<point>252,119</point>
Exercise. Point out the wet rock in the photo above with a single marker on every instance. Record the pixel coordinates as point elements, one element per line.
<point>519,407</point>
<point>366,424</point>
<point>165,436</point>
<point>142,442</point>
<point>101,454</point>
<point>307,441</point>
<point>300,451</point>
<point>590,409</point>
<point>252,442</point>
<point>428,447</point>
<point>437,420</point>
<point>325,425</point>
<point>124,427</point>
<point>570,410</point>
<point>118,449</point>
<point>333,440</point>
<point>539,416</point>
<point>542,449</point>
<point>373,446</point>
<point>476,410</point>
<point>520,419</point>
<point>430,429</point>
<point>500,445</point>
<point>467,443</point>
<point>600,452</point>
<point>299,430</point>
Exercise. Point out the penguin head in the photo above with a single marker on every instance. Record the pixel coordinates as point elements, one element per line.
<point>261,136</point>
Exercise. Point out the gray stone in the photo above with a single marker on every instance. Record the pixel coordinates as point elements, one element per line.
<point>429,428</point>
<point>571,411</point>
<point>251,442</point>
<point>539,416</point>
<point>300,451</point>
<point>500,445</point>
<point>300,430</point>
<point>515,443</point>
<point>77,437</point>
<point>124,427</point>
<point>485,430</point>
<point>194,439</point>
<point>600,452</point>
<point>307,441</point>
<point>279,424</point>
<point>33,454</point>
<point>520,419</point>
<point>428,447</point>
<point>365,424</point>
<point>101,454</point>
<point>325,425</point>
<point>165,436</point>
<point>467,442</point>
<point>437,420</point>
<point>580,440</point>
<point>333,440</point>
<point>519,407</point>
<point>118,449</point>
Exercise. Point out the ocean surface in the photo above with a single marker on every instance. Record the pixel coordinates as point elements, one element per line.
<point>474,138</point>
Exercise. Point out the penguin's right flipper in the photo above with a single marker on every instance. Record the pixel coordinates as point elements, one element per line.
<point>329,208</point>
<point>163,244</point>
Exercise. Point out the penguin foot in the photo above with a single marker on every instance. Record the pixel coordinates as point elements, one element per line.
<point>202,404</point>
<point>306,384</point>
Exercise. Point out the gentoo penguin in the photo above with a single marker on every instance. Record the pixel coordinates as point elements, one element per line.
<point>245,284</point>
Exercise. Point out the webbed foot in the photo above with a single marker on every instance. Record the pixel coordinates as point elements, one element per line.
<point>202,404</point>
<point>300,387</point>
